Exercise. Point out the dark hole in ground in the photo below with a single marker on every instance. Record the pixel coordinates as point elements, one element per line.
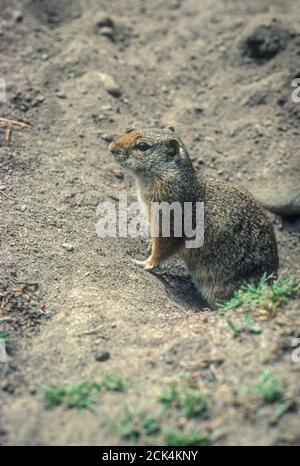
<point>266,41</point>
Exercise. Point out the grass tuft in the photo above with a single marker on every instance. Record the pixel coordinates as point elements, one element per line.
<point>184,396</point>
<point>4,336</point>
<point>76,395</point>
<point>188,437</point>
<point>268,295</point>
<point>81,395</point>
<point>112,383</point>
<point>247,325</point>
<point>269,387</point>
<point>137,423</point>
<point>180,400</point>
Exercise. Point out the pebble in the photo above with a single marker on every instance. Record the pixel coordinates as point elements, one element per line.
<point>199,109</point>
<point>102,356</point>
<point>40,98</point>
<point>106,108</point>
<point>103,20</point>
<point>68,247</point>
<point>110,85</point>
<point>107,137</point>
<point>107,32</point>
<point>17,16</point>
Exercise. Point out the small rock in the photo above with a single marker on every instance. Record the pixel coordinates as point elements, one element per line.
<point>108,32</point>
<point>23,208</point>
<point>282,128</point>
<point>110,85</point>
<point>199,162</point>
<point>68,247</point>
<point>106,108</point>
<point>257,98</point>
<point>103,20</point>
<point>102,356</point>
<point>60,95</point>
<point>115,28</point>
<point>40,98</point>
<point>119,175</point>
<point>17,16</point>
<point>99,118</point>
<point>198,109</point>
<point>107,137</point>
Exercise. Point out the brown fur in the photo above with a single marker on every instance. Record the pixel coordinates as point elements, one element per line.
<point>126,141</point>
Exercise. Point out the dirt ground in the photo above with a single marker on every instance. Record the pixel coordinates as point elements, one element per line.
<point>221,73</point>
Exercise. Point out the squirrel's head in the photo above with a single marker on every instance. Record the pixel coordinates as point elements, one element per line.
<point>150,152</point>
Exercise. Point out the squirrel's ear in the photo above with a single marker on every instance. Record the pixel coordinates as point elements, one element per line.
<point>173,147</point>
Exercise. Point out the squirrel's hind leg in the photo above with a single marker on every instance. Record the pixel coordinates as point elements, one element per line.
<point>162,249</point>
<point>143,264</point>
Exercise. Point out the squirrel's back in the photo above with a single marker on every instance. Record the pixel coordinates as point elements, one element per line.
<point>239,240</point>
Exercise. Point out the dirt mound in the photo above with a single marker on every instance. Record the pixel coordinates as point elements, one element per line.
<point>87,71</point>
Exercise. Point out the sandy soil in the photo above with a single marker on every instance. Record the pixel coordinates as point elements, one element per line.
<point>208,68</point>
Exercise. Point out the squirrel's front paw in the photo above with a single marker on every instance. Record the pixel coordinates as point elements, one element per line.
<point>145,264</point>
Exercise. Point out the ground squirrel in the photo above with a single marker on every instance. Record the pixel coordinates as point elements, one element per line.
<point>239,241</point>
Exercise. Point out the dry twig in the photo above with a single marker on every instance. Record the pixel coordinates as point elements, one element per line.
<point>5,195</point>
<point>12,124</point>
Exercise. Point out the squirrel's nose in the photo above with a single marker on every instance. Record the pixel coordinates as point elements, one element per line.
<point>113,147</point>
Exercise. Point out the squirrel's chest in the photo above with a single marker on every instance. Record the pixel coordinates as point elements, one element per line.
<point>155,191</point>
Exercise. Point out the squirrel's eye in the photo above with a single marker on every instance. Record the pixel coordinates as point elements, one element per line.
<point>143,146</point>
